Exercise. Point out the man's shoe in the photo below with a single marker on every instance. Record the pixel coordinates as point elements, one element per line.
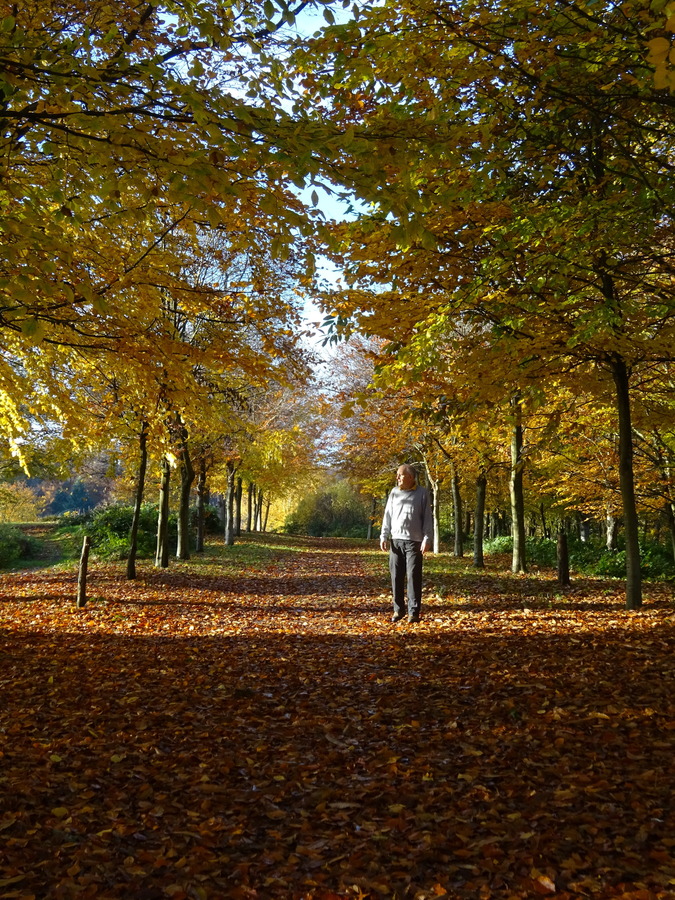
<point>397,617</point>
<point>413,618</point>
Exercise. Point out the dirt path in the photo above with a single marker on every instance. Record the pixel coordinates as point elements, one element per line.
<point>270,734</point>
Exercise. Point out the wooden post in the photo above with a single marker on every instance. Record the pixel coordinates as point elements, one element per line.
<point>82,574</point>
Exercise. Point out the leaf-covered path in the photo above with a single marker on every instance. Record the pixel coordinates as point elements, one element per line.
<point>258,728</point>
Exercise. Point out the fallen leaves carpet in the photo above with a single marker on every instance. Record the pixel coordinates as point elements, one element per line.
<point>268,733</point>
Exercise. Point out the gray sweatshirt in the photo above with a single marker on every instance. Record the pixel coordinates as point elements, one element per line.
<point>407,516</point>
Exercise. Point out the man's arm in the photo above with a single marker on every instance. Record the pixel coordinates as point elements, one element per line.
<point>385,531</point>
<point>428,523</point>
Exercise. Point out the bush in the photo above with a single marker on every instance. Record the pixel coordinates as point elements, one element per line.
<point>590,557</point>
<point>109,527</point>
<point>14,545</point>
<point>213,524</point>
<point>610,564</point>
<point>334,511</point>
<point>502,544</point>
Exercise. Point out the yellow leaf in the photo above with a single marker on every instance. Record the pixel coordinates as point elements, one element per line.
<point>659,48</point>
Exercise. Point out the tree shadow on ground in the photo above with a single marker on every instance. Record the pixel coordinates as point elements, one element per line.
<point>295,765</point>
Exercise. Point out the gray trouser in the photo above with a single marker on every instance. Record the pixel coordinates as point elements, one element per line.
<point>405,566</point>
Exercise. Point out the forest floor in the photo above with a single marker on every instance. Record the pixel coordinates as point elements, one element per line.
<point>251,725</point>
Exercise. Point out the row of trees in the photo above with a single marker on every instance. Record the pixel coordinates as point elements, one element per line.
<point>517,257</point>
<point>514,262</point>
<point>154,254</point>
<point>568,456</point>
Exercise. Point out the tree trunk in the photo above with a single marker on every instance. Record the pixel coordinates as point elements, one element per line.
<point>563,560</point>
<point>670,519</point>
<point>457,513</point>
<point>267,513</point>
<point>249,518</point>
<point>371,519</point>
<point>138,501</point>
<point>544,525</point>
<point>229,505</point>
<point>237,507</point>
<point>201,504</point>
<point>627,483</point>
<point>258,526</point>
<point>479,521</point>
<point>436,513</point>
<point>187,476</point>
<point>82,573</point>
<point>162,551</point>
<point>518,562</point>
<point>612,531</point>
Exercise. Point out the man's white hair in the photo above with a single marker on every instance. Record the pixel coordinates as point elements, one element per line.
<point>408,468</point>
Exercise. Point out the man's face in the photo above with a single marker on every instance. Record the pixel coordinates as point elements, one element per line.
<point>405,479</point>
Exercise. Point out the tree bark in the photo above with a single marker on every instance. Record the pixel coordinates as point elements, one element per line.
<point>518,562</point>
<point>258,516</point>
<point>479,521</point>
<point>544,524</point>
<point>371,518</point>
<point>162,551</point>
<point>249,518</point>
<point>267,513</point>
<point>138,501</point>
<point>612,528</point>
<point>457,513</point>
<point>627,484</point>
<point>187,476</point>
<point>670,519</point>
<point>201,505</point>
<point>229,504</point>
<point>82,573</point>
<point>563,560</point>
<point>237,507</point>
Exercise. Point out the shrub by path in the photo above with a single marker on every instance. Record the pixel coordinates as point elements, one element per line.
<point>251,725</point>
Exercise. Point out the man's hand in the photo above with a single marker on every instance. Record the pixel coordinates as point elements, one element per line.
<point>384,544</point>
<point>425,546</point>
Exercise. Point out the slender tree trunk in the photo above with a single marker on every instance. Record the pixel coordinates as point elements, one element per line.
<point>627,483</point>
<point>138,501</point>
<point>435,485</point>
<point>518,562</point>
<point>457,513</point>
<point>82,573</point>
<point>237,507</point>
<point>249,518</point>
<point>563,560</point>
<point>267,513</point>
<point>201,504</point>
<point>162,551</point>
<point>436,512</point>
<point>478,521</point>
<point>544,525</point>
<point>612,528</point>
<point>670,519</point>
<point>229,504</point>
<point>371,518</point>
<point>259,510</point>
<point>187,476</point>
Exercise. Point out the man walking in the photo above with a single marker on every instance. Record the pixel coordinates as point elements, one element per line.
<point>407,532</point>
